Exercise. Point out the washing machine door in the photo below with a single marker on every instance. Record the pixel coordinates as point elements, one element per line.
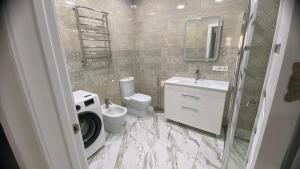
<point>91,126</point>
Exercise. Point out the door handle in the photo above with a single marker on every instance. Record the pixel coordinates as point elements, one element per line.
<point>76,128</point>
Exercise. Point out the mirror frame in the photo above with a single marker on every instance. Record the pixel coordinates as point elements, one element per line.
<point>218,41</point>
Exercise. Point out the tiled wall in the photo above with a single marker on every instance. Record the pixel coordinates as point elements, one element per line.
<point>147,43</point>
<point>158,36</point>
<point>260,51</point>
<point>104,82</point>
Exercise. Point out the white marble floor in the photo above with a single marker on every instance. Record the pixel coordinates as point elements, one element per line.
<point>155,143</point>
<point>238,154</point>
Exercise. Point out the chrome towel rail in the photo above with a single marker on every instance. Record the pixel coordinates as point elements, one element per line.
<point>95,53</point>
<point>92,39</point>
<point>92,26</point>
<point>94,35</point>
<point>91,9</point>
<point>93,31</point>
<point>94,47</point>
<point>92,18</point>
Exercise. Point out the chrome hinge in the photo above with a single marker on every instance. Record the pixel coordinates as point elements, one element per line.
<point>247,47</point>
<point>277,48</point>
<point>76,128</point>
<point>264,94</point>
<point>254,130</point>
<point>253,22</point>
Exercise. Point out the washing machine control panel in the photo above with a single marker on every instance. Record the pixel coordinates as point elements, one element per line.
<point>89,102</point>
<point>78,107</point>
<point>85,100</point>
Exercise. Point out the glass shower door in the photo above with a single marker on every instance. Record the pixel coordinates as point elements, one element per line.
<point>250,77</point>
<point>238,84</point>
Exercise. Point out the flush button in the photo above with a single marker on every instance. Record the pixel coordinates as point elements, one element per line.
<point>78,107</point>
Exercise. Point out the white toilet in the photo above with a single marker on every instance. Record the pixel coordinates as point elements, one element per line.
<point>137,104</point>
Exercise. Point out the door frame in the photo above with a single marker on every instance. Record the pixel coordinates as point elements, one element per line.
<point>39,65</point>
<point>41,71</point>
<point>271,97</point>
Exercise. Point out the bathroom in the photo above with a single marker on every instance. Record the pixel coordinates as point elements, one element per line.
<point>149,84</point>
<point>149,44</point>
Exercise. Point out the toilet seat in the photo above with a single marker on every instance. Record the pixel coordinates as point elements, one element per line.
<point>139,97</point>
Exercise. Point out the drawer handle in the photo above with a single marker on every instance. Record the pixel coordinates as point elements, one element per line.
<point>191,96</point>
<point>189,108</point>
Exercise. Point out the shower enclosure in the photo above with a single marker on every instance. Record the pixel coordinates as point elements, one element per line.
<point>258,31</point>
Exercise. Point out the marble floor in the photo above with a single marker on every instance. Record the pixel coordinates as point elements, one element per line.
<point>238,154</point>
<point>155,143</point>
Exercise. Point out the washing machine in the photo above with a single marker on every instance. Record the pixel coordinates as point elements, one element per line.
<point>88,108</point>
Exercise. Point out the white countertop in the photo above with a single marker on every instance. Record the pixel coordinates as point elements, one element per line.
<point>201,83</point>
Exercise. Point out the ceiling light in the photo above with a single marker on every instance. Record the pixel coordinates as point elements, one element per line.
<point>219,1</point>
<point>151,13</point>
<point>70,3</point>
<point>228,41</point>
<point>133,6</point>
<point>180,6</point>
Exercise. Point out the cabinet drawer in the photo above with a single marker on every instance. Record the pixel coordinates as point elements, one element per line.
<point>196,98</point>
<point>200,108</point>
<point>209,120</point>
<point>194,93</point>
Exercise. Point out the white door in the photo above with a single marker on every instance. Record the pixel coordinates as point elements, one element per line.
<point>37,57</point>
<point>276,117</point>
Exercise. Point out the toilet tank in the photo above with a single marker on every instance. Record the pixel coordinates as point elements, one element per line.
<point>127,86</point>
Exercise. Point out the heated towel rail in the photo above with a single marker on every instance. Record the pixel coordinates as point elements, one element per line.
<point>94,37</point>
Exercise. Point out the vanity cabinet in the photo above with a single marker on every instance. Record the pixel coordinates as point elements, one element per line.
<point>195,106</point>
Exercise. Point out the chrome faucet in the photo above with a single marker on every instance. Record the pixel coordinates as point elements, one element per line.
<point>197,75</point>
<point>107,103</point>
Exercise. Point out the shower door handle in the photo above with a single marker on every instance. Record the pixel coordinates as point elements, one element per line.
<point>249,102</point>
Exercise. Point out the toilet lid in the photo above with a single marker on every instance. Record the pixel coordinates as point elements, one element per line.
<point>140,97</point>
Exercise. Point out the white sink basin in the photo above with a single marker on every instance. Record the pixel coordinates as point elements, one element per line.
<point>201,83</point>
<point>193,81</point>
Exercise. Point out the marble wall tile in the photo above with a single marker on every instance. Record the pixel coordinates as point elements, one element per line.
<point>151,16</point>
<point>104,82</point>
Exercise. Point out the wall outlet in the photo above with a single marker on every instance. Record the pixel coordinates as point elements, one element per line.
<point>220,68</point>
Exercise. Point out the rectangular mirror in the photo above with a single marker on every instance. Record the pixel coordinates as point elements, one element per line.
<point>202,38</point>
